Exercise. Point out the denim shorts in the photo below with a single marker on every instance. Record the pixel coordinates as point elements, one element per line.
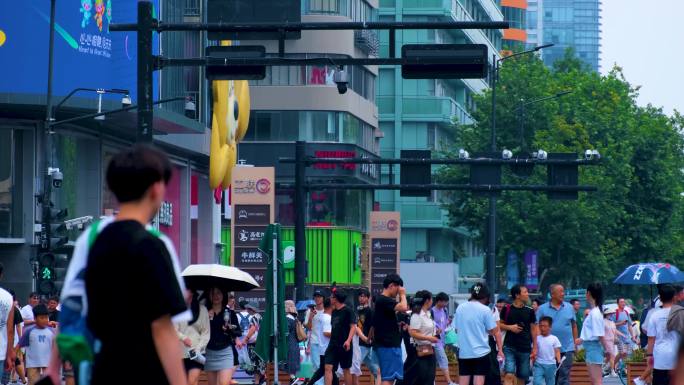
<point>593,352</point>
<point>517,363</point>
<point>440,355</point>
<point>391,363</point>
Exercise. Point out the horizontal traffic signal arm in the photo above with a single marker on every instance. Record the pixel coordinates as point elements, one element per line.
<point>311,160</point>
<point>160,26</point>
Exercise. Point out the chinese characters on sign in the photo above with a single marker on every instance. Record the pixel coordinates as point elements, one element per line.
<point>166,214</point>
<point>384,251</point>
<point>252,200</point>
<point>95,45</point>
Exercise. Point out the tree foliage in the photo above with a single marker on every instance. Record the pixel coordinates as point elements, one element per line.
<point>637,213</point>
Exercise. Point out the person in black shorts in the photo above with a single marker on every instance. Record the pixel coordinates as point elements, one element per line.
<point>474,322</point>
<point>339,352</point>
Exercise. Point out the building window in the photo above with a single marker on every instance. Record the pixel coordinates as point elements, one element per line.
<point>316,126</point>
<point>11,174</point>
<point>532,20</point>
<point>361,81</point>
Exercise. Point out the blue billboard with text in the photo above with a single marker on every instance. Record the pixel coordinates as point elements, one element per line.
<point>86,53</point>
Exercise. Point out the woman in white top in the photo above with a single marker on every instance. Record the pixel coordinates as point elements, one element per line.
<point>593,332</point>
<point>423,337</point>
<point>194,337</point>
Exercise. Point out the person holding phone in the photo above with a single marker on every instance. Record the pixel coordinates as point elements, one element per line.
<point>519,321</point>
<point>224,327</point>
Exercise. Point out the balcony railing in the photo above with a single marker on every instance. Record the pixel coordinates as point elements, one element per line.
<point>192,8</point>
<point>430,108</point>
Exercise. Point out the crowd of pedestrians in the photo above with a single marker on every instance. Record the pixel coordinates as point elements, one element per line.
<point>177,334</point>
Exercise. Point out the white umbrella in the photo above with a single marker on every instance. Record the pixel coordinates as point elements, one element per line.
<point>227,278</point>
<point>612,307</point>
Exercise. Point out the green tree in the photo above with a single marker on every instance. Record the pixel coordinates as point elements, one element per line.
<point>637,213</point>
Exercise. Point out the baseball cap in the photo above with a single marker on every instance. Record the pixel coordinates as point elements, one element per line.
<point>479,291</point>
<point>251,306</point>
<point>318,293</point>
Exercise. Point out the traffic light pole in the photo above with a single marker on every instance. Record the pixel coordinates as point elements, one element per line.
<point>145,69</point>
<point>47,139</point>
<point>491,218</point>
<point>300,220</point>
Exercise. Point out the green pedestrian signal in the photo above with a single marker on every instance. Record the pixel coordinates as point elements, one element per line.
<point>47,273</point>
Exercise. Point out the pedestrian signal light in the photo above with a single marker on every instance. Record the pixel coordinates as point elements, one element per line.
<point>46,273</point>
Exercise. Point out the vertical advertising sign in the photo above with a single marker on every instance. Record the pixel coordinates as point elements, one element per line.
<point>512,270</point>
<point>252,201</point>
<point>531,275</point>
<point>385,241</point>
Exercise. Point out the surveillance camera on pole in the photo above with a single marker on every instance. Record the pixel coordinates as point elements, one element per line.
<point>56,176</point>
<point>341,78</point>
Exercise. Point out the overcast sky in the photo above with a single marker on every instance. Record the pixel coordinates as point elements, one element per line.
<point>646,39</point>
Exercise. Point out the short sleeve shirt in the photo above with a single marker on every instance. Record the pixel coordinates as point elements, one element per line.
<point>38,344</point>
<point>546,349</point>
<point>27,313</point>
<point>424,325</point>
<point>365,320</point>
<point>125,251</point>
<point>523,316</point>
<point>593,326</point>
<point>666,342</point>
<point>6,305</point>
<point>342,321</point>
<point>323,324</point>
<point>385,323</point>
<point>620,316</point>
<point>563,321</point>
<point>473,323</point>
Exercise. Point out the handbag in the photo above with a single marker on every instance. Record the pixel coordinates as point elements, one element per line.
<point>301,333</point>
<point>424,350</point>
<point>450,338</point>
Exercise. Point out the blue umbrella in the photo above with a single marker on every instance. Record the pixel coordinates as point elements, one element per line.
<point>302,305</point>
<point>650,274</point>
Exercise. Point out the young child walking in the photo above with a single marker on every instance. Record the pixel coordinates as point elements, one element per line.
<point>37,341</point>
<point>548,354</point>
<point>611,333</point>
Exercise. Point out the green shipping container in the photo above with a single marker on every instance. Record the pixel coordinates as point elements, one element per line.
<point>331,255</point>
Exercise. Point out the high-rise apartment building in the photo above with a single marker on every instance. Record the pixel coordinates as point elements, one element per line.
<point>566,23</point>
<point>421,114</point>
<point>515,13</point>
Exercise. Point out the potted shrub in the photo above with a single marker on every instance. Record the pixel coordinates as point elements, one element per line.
<point>579,374</point>
<point>636,364</point>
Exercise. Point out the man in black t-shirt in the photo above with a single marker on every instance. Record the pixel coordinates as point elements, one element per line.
<point>520,344</point>
<point>363,328</point>
<point>130,263</point>
<point>339,352</point>
<point>53,313</point>
<point>386,333</point>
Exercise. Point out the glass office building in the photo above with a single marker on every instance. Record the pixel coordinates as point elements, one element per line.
<point>566,23</point>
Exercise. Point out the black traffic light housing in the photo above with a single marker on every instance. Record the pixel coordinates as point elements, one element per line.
<point>46,273</point>
<point>485,174</point>
<point>57,228</point>
<point>416,173</point>
<point>562,175</point>
<point>461,61</point>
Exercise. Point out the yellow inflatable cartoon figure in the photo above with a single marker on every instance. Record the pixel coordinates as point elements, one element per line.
<point>228,126</point>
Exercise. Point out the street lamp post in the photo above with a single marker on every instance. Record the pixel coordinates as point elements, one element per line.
<point>491,219</point>
<point>524,104</point>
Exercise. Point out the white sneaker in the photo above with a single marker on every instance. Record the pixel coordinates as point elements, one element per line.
<point>639,381</point>
<point>613,374</point>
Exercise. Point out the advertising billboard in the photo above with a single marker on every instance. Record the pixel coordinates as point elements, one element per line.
<point>86,53</point>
